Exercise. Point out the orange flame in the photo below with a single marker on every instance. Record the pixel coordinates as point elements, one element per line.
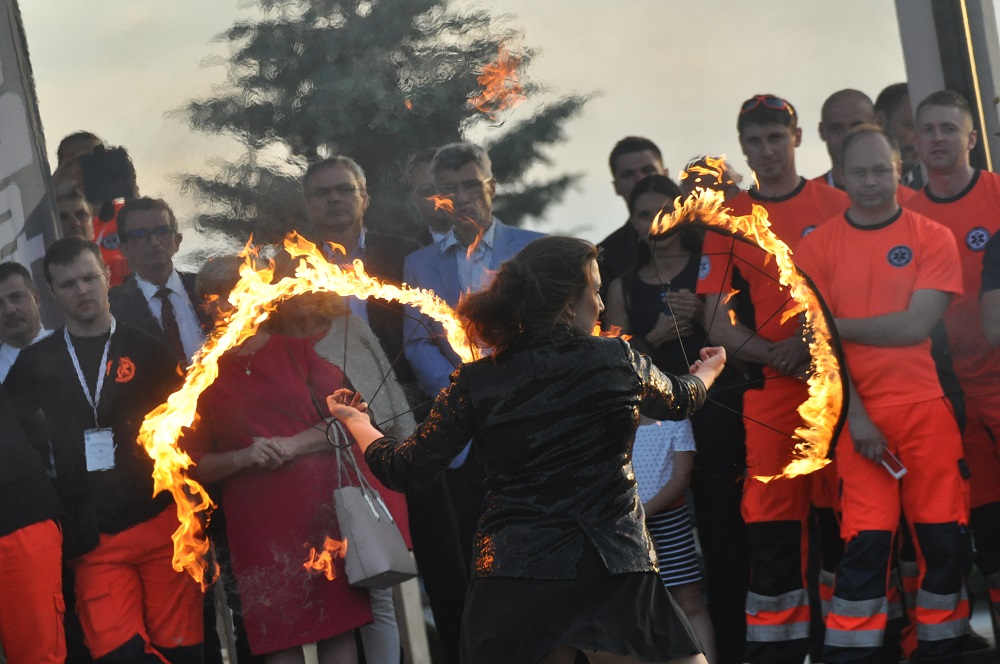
<point>500,85</point>
<point>322,563</point>
<point>821,410</point>
<point>447,205</point>
<point>408,103</point>
<point>442,203</point>
<point>712,169</point>
<point>613,331</point>
<point>253,298</point>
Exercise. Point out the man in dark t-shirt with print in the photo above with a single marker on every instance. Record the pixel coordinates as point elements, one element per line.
<point>81,395</point>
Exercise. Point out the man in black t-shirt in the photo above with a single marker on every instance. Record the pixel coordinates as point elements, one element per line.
<point>632,159</point>
<point>81,395</point>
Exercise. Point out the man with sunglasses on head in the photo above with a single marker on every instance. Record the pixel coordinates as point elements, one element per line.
<point>777,513</point>
<point>156,297</point>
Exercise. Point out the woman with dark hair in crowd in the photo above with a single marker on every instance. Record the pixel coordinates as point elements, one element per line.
<point>563,560</point>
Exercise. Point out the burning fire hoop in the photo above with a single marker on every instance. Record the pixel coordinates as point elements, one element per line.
<point>821,412</point>
<point>253,298</point>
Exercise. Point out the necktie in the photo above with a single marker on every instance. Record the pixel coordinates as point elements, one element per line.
<point>168,321</point>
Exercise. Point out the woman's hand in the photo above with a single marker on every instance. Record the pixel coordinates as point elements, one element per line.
<point>346,405</point>
<point>685,306</point>
<point>666,329</point>
<point>711,363</point>
<point>264,454</point>
<point>352,411</point>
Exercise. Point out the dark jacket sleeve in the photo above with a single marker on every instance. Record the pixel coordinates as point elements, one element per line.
<point>664,396</point>
<point>415,462</point>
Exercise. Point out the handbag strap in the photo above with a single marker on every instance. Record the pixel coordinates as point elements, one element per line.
<point>369,492</point>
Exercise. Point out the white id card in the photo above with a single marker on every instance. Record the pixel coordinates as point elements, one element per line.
<point>100,447</point>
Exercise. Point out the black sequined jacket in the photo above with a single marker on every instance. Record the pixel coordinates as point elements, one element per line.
<point>552,421</point>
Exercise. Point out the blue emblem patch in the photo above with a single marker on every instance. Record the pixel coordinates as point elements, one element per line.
<point>111,241</point>
<point>977,238</point>
<point>807,230</point>
<point>900,255</point>
<point>704,267</point>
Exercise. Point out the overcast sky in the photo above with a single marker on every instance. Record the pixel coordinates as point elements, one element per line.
<point>672,70</point>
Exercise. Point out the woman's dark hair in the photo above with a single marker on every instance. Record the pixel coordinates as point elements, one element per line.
<point>691,236</point>
<point>530,291</point>
<point>656,184</point>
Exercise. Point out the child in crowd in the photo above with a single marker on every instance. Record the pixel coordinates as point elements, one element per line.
<point>662,458</point>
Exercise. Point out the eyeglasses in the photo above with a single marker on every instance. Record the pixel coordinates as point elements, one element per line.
<point>767,101</point>
<point>340,190</point>
<point>471,186</point>
<point>143,235</point>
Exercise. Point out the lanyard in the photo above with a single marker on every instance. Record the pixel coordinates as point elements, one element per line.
<point>96,399</point>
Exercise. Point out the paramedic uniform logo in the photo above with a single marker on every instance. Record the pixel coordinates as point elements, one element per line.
<point>900,255</point>
<point>704,267</point>
<point>977,238</point>
<point>111,241</point>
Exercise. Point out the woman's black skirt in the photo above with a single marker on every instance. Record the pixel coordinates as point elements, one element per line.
<point>519,621</point>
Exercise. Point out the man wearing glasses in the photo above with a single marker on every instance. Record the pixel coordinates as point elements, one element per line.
<point>462,262</point>
<point>776,513</point>
<point>156,297</point>
<point>336,198</point>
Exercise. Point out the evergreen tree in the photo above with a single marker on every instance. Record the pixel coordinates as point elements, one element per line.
<point>376,80</point>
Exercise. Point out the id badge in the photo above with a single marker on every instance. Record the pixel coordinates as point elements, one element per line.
<point>100,448</point>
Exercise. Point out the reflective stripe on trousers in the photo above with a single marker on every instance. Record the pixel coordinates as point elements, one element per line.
<point>856,623</point>
<point>941,617</point>
<point>781,618</point>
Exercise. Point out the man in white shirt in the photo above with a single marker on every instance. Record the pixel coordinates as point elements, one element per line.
<point>20,322</point>
<point>156,297</point>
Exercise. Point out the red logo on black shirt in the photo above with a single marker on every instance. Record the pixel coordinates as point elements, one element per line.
<point>126,370</point>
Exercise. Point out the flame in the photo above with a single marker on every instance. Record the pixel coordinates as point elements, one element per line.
<point>713,169</point>
<point>322,563</point>
<point>821,410</point>
<point>442,203</point>
<point>445,204</point>
<point>500,85</point>
<point>253,298</point>
<point>408,103</point>
<point>613,331</point>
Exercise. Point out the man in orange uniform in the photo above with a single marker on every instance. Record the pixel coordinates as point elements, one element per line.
<point>887,275</point>
<point>777,513</point>
<point>81,395</point>
<point>966,201</point>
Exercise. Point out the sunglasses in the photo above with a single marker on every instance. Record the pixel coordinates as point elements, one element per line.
<point>767,101</point>
<point>142,235</point>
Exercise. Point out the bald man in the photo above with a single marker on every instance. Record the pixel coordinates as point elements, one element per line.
<point>842,111</point>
